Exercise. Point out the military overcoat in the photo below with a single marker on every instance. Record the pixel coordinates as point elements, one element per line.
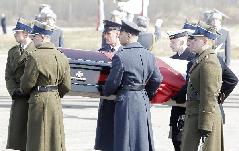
<point>104,139</point>
<point>132,65</point>
<point>223,40</point>
<point>46,66</point>
<point>202,109</point>
<point>17,129</point>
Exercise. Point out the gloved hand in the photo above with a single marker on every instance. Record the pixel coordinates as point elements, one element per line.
<point>17,94</point>
<point>100,89</point>
<point>221,98</point>
<point>204,134</point>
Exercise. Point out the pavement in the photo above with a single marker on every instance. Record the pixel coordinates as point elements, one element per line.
<point>80,117</point>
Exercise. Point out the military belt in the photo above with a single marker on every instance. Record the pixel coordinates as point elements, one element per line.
<point>47,88</point>
<point>136,87</point>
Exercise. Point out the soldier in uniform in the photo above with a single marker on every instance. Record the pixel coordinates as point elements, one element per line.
<point>134,81</point>
<point>105,124</point>
<point>178,43</point>
<point>222,41</point>
<point>17,55</point>
<point>146,38</point>
<point>46,79</point>
<point>49,17</point>
<point>203,124</point>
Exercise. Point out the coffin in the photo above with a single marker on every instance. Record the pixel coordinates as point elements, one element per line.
<point>89,71</point>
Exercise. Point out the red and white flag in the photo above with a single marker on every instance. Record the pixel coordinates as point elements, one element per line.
<point>174,77</point>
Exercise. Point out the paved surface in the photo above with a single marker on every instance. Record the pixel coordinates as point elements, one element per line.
<point>80,116</point>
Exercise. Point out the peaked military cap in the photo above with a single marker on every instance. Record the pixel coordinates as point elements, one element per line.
<point>23,25</point>
<point>177,34</point>
<point>205,30</point>
<point>41,28</point>
<point>110,25</point>
<point>130,27</point>
<point>142,21</point>
<point>189,26</point>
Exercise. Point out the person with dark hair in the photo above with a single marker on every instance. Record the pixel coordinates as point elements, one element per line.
<point>134,81</point>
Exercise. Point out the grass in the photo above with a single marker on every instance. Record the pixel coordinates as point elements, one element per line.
<point>88,38</point>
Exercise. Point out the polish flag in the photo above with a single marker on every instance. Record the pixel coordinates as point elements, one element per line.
<point>174,77</point>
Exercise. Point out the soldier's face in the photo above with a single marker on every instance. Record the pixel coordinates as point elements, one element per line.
<point>37,39</point>
<point>197,44</point>
<point>175,44</point>
<point>124,38</point>
<point>50,21</point>
<point>217,23</point>
<point>20,36</point>
<point>112,37</point>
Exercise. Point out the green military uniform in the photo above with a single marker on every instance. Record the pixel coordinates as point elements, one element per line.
<point>17,130</point>
<point>46,67</point>
<point>202,109</point>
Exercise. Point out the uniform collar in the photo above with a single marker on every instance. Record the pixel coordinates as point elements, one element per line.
<point>46,45</point>
<point>133,45</point>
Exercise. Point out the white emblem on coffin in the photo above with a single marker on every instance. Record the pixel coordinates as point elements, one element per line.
<point>79,76</point>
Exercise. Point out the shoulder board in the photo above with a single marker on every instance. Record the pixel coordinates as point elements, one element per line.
<point>14,47</point>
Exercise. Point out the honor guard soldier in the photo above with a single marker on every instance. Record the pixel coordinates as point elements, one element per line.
<point>48,16</point>
<point>134,81</point>
<point>223,41</point>
<point>146,38</point>
<point>105,124</point>
<point>203,123</point>
<point>17,55</point>
<point>111,36</point>
<point>46,79</point>
<point>178,44</point>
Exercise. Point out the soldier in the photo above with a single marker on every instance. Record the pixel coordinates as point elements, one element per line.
<point>134,81</point>
<point>178,43</point>
<point>229,82</point>
<point>46,79</point>
<point>203,122</point>
<point>49,17</point>
<point>105,124</point>
<point>223,42</point>
<point>146,38</point>
<point>17,129</point>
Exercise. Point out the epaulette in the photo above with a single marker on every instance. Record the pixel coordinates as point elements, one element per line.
<point>14,47</point>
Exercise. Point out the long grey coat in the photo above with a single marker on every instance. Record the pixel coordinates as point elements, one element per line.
<point>225,51</point>
<point>57,37</point>
<point>17,130</point>
<point>131,65</point>
<point>46,66</point>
